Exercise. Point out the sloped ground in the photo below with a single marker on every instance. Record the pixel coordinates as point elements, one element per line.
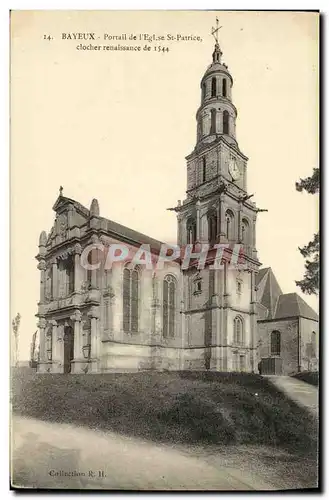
<point>302,393</point>
<point>308,377</point>
<point>172,407</point>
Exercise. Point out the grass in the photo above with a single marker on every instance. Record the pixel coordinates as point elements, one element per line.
<point>185,407</point>
<point>308,377</point>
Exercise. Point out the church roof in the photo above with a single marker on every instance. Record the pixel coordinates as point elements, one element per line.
<point>268,290</point>
<point>131,234</point>
<point>280,305</point>
<point>291,304</point>
<point>118,230</point>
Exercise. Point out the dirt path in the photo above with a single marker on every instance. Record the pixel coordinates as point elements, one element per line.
<point>43,454</point>
<point>300,392</point>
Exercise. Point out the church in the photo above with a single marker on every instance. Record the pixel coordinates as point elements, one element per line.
<point>94,319</point>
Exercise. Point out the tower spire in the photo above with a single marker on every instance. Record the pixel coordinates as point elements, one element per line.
<point>217,54</point>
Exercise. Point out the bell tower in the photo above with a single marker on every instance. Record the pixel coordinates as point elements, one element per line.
<point>219,315</point>
<point>217,208</point>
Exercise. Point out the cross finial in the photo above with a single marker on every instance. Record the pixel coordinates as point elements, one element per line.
<point>214,31</point>
<point>60,190</point>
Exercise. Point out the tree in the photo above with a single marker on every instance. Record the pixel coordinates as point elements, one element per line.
<point>15,323</point>
<point>311,252</point>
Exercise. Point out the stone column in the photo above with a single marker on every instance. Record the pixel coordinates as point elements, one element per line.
<point>77,268</point>
<point>156,324</point>
<point>55,358</point>
<point>42,342</point>
<point>218,215</point>
<point>197,205</point>
<point>76,318</point>
<point>253,239</point>
<point>222,220</point>
<point>179,229</point>
<point>253,321</point>
<point>240,225</point>
<point>183,334</point>
<point>94,339</point>
<point>94,240</point>
<point>42,268</point>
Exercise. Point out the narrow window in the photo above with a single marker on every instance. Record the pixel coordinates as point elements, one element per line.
<point>130,300</point>
<point>245,231</point>
<point>169,306</point>
<point>204,169</point>
<point>224,88</point>
<point>191,231</point>
<point>275,343</point>
<point>134,300</point>
<point>90,260</point>
<point>229,225</point>
<point>126,300</point>
<point>238,331</point>
<point>213,122</point>
<point>69,270</point>
<point>226,117</point>
<point>213,87</point>
<point>212,226</point>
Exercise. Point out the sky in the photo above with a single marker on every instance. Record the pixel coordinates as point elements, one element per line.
<point>117,126</point>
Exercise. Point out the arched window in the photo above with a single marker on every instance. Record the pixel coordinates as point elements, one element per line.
<point>169,306</point>
<point>245,231</point>
<point>226,117</point>
<point>275,343</point>
<point>212,227</point>
<point>191,231</point>
<point>229,217</point>
<point>204,169</point>
<point>213,87</point>
<point>213,121</point>
<point>238,331</point>
<point>224,87</point>
<point>130,299</point>
<point>203,91</point>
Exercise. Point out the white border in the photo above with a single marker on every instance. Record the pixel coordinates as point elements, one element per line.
<point>4,170</point>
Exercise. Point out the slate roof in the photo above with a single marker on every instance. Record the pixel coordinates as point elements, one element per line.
<point>131,234</point>
<point>268,290</point>
<point>291,304</point>
<point>280,305</point>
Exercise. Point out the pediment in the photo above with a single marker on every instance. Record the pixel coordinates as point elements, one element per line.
<point>70,216</point>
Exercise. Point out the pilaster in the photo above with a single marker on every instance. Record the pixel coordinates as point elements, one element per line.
<point>94,338</point>
<point>42,323</point>
<point>54,283</point>
<point>42,268</point>
<point>77,268</point>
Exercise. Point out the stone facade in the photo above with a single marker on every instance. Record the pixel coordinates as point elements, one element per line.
<point>127,317</point>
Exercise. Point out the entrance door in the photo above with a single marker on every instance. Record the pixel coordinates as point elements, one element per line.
<point>68,348</point>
